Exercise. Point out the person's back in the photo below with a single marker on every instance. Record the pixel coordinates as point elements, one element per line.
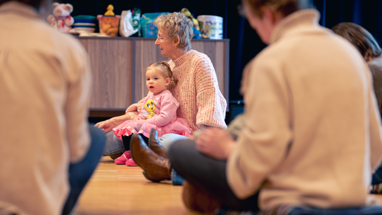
<point>320,111</point>
<point>369,48</point>
<point>44,85</point>
<point>312,131</point>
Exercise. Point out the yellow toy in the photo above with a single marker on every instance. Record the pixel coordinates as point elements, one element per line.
<point>186,12</point>
<point>109,11</point>
<point>150,107</point>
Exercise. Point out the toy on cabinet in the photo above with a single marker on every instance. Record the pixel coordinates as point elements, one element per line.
<point>109,23</point>
<point>195,22</point>
<point>61,18</point>
<point>109,10</point>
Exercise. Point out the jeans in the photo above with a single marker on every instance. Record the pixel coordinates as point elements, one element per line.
<point>368,210</point>
<point>377,176</point>
<point>113,144</point>
<point>176,179</point>
<point>166,141</point>
<point>207,173</point>
<point>80,172</point>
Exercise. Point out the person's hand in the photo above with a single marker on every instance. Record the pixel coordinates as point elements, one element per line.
<point>106,125</point>
<point>138,119</point>
<point>216,143</point>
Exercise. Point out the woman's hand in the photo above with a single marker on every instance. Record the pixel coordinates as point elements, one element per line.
<point>106,125</point>
<point>216,143</point>
<point>138,119</point>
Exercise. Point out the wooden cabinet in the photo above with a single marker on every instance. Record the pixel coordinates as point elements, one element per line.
<point>118,65</point>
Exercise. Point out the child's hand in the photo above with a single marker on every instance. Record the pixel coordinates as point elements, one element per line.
<point>138,119</point>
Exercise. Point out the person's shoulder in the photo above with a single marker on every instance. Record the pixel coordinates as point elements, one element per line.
<point>197,58</point>
<point>197,55</point>
<point>167,95</point>
<point>69,41</point>
<point>164,93</point>
<point>376,64</point>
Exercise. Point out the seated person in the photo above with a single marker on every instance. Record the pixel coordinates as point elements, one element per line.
<point>48,150</point>
<point>371,52</point>
<point>312,131</point>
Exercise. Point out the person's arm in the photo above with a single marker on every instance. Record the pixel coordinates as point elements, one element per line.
<point>113,122</point>
<point>135,109</point>
<point>131,113</point>
<point>210,101</point>
<point>216,143</point>
<point>77,103</point>
<point>375,127</point>
<point>168,108</point>
<point>265,138</point>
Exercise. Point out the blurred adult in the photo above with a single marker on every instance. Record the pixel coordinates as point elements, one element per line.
<point>369,48</point>
<point>202,104</point>
<point>47,153</point>
<point>312,130</point>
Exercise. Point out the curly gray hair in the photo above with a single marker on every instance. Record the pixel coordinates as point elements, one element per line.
<point>177,25</point>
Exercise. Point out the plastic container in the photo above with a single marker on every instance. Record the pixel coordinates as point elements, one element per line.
<point>212,26</point>
<point>84,30</point>
<point>84,19</point>
<point>84,24</point>
<point>147,26</point>
<point>109,25</point>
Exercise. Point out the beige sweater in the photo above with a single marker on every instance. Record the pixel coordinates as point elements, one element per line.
<point>44,93</point>
<point>312,134</point>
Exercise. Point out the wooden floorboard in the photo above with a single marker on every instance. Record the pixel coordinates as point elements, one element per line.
<point>118,189</point>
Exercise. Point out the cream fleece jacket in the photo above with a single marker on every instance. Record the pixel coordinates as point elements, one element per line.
<point>312,134</point>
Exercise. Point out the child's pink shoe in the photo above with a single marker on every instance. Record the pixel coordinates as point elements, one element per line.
<point>131,162</point>
<point>123,158</point>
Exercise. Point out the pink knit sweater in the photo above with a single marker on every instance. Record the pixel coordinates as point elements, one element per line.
<point>201,102</point>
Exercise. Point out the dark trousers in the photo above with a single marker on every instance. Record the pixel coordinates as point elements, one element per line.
<point>377,176</point>
<point>208,174</point>
<point>80,173</point>
<point>126,141</point>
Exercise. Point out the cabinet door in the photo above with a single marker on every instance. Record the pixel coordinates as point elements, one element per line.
<point>111,64</point>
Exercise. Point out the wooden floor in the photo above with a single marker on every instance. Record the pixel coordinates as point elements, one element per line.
<point>119,189</point>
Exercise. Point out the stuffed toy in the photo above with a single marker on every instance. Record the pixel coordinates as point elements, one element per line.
<point>109,10</point>
<point>195,22</point>
<point>61,18</point>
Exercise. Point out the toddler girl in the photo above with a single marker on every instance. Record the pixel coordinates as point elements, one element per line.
<point>158,111</point>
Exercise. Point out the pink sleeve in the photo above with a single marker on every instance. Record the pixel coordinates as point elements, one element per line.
<point>168,108</point>
<point>135,109</point>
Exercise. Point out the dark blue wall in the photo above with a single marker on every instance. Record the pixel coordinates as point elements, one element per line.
<point>244,42</point>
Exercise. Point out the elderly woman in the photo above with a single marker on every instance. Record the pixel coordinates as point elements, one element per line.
<point>312,130</point>
<point>202,104</point>
<point>372,53</point>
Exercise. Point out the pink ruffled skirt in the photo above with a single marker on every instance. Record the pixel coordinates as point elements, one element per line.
<point>179,126</point>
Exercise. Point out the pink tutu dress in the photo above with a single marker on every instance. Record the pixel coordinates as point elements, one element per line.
<point>159,112</point>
